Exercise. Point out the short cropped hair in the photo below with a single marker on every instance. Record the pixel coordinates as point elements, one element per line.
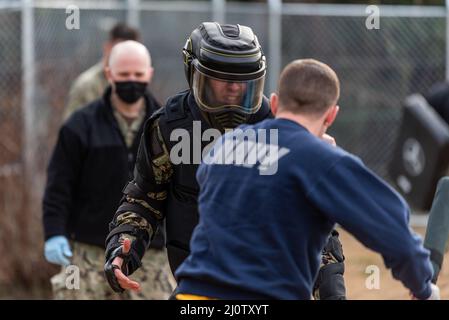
<point>308,86</point>
<point>122,31</point>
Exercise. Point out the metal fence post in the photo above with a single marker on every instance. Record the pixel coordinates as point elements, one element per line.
<point>447,40</point>
<point>219,11</point>
<point>274,42</point>
<point>133,13</point>
<point>28,88</point>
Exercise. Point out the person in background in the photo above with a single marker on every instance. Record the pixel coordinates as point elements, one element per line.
<point>90,84</point>
<point>93,158</point>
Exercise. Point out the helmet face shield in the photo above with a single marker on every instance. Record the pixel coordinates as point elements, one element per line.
<point>213,94</point>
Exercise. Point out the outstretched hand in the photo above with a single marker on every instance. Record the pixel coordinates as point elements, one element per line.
<point>125,282</point>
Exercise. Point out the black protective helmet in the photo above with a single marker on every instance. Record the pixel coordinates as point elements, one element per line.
<point>225,68</point>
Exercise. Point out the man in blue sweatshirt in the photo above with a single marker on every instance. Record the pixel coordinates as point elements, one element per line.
<point>289,188</point>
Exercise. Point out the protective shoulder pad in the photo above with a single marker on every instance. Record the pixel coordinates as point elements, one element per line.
<point>177,115</point>
<point>156,114</point>
<point>175,107</point>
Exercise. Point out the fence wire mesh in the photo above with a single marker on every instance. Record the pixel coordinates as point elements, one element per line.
<point>10,91</point>
<point>165,33</point>
<point>377,70</point>
<point>11,192</point>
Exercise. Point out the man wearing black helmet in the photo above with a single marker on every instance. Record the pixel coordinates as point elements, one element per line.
<point>225,68</point>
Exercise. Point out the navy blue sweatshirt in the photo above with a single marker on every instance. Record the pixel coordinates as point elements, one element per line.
<point>262,227</point>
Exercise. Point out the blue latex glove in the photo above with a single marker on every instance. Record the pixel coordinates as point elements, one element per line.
<point>57,250</point>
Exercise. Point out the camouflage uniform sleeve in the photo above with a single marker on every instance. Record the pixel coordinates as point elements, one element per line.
<point>142,207</point>
<point>152,174</point>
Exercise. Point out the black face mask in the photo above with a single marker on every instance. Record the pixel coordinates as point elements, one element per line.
<point>130,91</point>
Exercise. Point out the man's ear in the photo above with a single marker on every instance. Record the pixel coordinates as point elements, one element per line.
<point>108,74</point>
<point>274,101</point>
<point>331,115</point>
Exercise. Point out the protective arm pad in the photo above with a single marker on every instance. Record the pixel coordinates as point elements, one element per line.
<point>155,204</point>
<point>135,212</point>
<point>137,221</point>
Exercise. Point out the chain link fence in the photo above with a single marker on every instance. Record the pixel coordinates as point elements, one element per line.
<point>377,69</point>
<point>11,195</point>
<point>10,89</point>
<point>165,33</point>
